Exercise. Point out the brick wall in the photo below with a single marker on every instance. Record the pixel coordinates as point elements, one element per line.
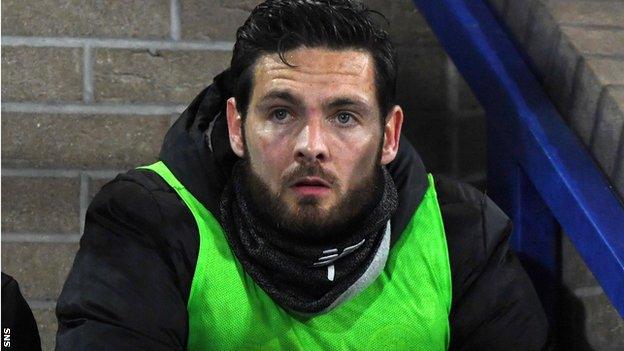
<point>577,50</point>
<point>90,87</point>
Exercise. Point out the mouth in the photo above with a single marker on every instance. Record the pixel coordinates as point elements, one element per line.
<point>311,186</point>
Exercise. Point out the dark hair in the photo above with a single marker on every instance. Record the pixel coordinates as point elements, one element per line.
<point>277,26</point>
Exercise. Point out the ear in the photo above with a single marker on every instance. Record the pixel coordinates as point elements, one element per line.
<point>392,134</point>
<point>235,128</point>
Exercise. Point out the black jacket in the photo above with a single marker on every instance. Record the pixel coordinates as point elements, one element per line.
<point>19,329</point>
<point>130,282</point>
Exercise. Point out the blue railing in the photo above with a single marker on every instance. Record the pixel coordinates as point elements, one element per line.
<point>538,171</point>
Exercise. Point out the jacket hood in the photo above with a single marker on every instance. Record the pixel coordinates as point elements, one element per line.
<point>197,150</point>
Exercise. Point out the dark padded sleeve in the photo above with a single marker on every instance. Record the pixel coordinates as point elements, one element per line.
<point>19,329</point>
<point>130,280</point>
<point>495,306</point>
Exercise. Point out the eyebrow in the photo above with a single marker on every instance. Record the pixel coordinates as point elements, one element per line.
<point>290,98</point>
<point>346,102</point>
<point>281,95</point>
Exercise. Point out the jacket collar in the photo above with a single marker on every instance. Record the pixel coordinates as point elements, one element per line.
<point>197,150</point>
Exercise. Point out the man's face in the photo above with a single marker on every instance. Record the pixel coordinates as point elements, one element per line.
<point>313,135</point>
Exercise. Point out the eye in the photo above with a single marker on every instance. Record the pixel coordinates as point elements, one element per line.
<point>280,115</point>
<point>345,119</point>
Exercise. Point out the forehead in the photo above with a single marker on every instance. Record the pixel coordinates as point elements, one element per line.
<point>317,72</point>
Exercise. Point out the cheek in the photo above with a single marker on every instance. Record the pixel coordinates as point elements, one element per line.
<point>269,156</point>
<point>356,157</point>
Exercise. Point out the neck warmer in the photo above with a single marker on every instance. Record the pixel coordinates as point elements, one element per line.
<point>303,276</point>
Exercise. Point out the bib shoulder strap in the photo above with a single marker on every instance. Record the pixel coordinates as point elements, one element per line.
<point>163,171</point>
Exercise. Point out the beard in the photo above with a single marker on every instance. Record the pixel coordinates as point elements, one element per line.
<point>305,218</point>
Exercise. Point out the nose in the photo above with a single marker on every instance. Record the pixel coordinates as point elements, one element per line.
<point>311,145</point>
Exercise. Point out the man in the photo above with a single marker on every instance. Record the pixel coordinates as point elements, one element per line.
<point>19,328</point>
<point>286,213</point>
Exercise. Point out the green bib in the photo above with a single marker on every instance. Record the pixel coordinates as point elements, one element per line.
<point>405,308</point>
